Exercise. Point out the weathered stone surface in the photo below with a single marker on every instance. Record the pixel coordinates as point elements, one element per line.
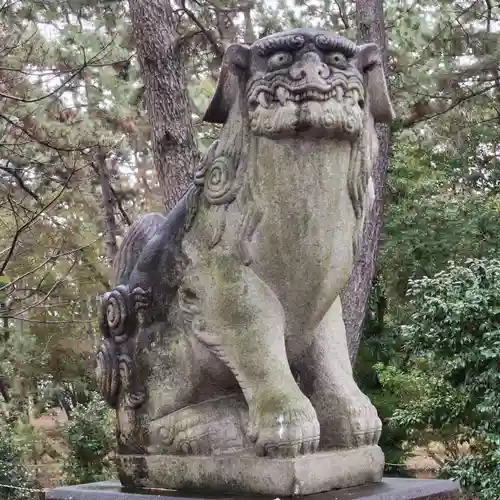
<point>224,332</point>
<point>302,475</point>
<point>388,489</point>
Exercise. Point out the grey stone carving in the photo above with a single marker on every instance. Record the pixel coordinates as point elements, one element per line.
<point>223,336</point>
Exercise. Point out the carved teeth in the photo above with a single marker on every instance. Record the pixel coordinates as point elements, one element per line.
<point>262,100</point>
<point>282,94</point>
<point>340,93</point>
<point>355,96</point>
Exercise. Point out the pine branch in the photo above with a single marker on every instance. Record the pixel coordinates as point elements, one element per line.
<point>27,224</point>
<point>209,35</point>
<point>19,181</point>
<point>63,84</point>
<point>410,122</point>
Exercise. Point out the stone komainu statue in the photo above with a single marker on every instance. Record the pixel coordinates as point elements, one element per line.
<point>223,336</point>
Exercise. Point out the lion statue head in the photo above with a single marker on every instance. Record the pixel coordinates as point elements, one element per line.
<point>303,83</point>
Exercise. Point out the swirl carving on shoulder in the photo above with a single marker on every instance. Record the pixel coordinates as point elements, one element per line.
<point>219,181</point>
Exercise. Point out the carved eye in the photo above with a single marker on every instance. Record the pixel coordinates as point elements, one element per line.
<point>336,59</point>
<point>279,60</point>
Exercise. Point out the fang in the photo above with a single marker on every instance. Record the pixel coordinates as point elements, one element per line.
<point>262,100</point>
<point>282,94</point>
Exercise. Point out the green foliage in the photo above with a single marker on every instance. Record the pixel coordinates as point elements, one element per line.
<point>434,214</point>
<point>90,437</point>
<point>12,469</point>
<point>449,386</point>
<point>380,345</point>
<point>478,474</point>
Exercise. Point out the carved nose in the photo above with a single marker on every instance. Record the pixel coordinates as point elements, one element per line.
<point>309,67</point>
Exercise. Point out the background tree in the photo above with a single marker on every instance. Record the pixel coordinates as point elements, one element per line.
<point>370,23</point>
<point>159,50</point>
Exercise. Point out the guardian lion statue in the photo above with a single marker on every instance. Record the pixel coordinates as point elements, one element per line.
<point>223,336</point>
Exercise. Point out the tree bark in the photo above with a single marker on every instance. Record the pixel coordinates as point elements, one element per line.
<point>4,315</point>
<point>370,22</point>
<point>110,228</point>
<point>174,149</point>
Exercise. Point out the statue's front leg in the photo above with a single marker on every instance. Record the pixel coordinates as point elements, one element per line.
<point>347,417</point>
<point>242,322</point>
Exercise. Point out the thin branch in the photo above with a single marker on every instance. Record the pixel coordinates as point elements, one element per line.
<point>66,82</point>
<point>50,94</point>
<point>410,122</point>
<point>51,290</point>
<point>20,181</point>
<point>343,14</point>
<point>213,41</point>
<point>489,7</point>
<point>435,457</point>
<point>54,256</point>
<point>119,204</point>
<point>38,139</point>
<point>58,71</point>
<point>116,198</point>
<point>20,229</point>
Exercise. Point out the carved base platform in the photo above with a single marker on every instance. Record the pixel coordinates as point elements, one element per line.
<point>239,474</point>
<point>388,489</point>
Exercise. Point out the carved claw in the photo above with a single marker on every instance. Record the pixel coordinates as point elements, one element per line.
<point>352,422</point>
<point>200,429</point>
<point>365,425</point>
<point>141,298</point>
<point>283,425</point>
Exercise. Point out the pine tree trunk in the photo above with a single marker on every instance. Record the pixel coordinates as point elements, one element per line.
<point>174,149</point>
<point>110,228</point>
<point>371,28</point>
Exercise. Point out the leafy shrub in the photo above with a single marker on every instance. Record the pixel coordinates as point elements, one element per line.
<point>478,474</point>
<point>380,345</point>
<point>12,470</point>
<point>453,343</point>
<point>90,438</point>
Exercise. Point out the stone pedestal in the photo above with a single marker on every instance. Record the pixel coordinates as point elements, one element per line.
<point>388,489</point>
<point>250,475</point>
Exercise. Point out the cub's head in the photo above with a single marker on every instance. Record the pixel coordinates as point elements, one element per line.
<point>304,82</point>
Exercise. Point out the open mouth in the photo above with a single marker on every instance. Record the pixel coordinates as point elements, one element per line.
<point>350,92</point>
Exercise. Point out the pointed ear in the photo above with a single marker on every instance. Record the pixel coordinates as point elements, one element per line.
<point>370,64</point>
<point>235,62</point>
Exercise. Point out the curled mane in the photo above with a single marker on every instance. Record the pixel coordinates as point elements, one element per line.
<point>360,182</point>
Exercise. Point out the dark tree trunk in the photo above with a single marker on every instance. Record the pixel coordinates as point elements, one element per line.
<point>371,28</point>
<point>174,149</point>
<point>5,333</point>
<point>108,210</point>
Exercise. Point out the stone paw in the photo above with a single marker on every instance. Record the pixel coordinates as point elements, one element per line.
<point>194,440</point>
<point>141,298</point>
<point>202,429</point>
<point>283,424</point>
<point>348,419</point>
<point>362,425</point>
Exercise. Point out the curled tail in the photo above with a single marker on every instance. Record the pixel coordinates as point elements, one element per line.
<point>141,231</point>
